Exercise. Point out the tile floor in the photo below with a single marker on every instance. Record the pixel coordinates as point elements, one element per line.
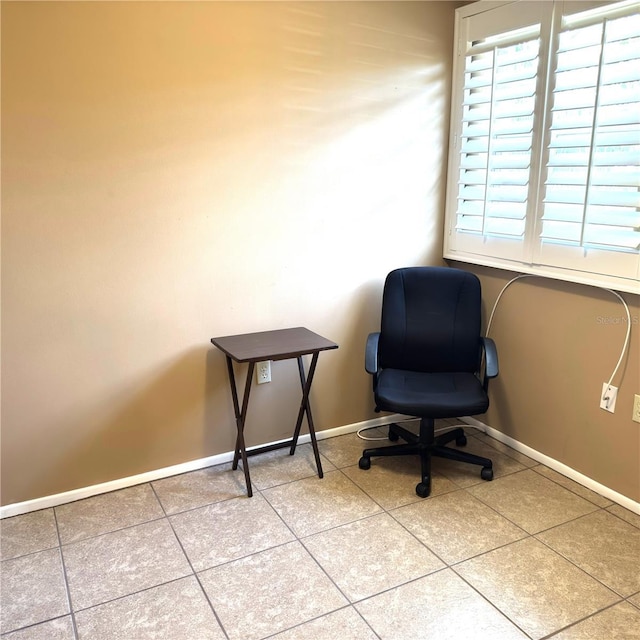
<point>356,555</point>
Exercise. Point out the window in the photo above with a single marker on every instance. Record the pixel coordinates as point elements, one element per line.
<point>544,169</point>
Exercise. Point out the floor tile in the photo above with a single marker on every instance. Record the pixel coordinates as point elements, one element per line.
<point>107,512</point>
<point>532,501</point>
<point>440,606</point>
<point>613,556</point>
<point>175,610</point>
<point>622,622</point>
<point>625,514</point>
<point>370,556</point>
<point>346,450</point>
<point>57,629</point>
<point>457,526</point>
<point>391,482</point>
<point>635,600</point>
<point>278,467</point>
<point>466,475</point>
<point>122,562</point>
<point>199,488</point>
<point>506,449</point>
<point>27,533</point>
<point>33,590</point>
<point>534,587</point>
<point>269,592</point>
<point>346,624</point>
<point>573,486</point>
<point>313,504</point>
<point>229,530</point>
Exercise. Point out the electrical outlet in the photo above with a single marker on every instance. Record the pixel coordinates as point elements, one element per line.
<point>263,372</point>
<point>608,397</point>
<point>636,408</point>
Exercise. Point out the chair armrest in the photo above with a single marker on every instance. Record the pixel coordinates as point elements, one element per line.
<point>490,357</point>
<point>371,353</point>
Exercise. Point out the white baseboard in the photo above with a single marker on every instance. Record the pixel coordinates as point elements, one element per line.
<point>580,478</point>
<point>57,499</point>
<point>46,502</point>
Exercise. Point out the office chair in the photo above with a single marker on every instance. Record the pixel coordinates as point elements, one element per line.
<point>429,361</point>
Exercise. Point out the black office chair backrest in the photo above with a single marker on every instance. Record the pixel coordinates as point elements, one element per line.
<point>430,320</point>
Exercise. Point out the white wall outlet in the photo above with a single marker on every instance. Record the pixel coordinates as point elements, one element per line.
<point>608,397</point>
<point>263,372</point>
<point>636,408</point>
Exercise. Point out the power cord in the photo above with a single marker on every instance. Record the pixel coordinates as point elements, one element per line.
<point>359,433</point>
<point>626,338</point>
<point>625,346</point>
<point>447,428</point>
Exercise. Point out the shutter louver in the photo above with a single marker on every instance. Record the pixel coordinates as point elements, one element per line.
<point>496,137</point>
<point>592,187</point>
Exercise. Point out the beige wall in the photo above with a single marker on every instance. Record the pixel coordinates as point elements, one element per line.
<point>175,171</point>
<point>558,343</point>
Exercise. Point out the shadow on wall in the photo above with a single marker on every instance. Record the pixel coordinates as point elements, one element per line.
<point>360,316</point>
<point>160,421</point>
<point>150,424</point>
<point>273,407</point>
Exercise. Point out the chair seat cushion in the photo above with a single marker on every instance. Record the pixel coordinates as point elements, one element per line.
<point>430,395</point>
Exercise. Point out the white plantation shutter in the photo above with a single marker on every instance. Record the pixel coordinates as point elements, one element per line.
<point>497,132</point>
<point>544,169</point>
<point>592,186</point>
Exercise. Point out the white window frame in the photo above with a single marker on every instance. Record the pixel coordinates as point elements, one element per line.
<point>615,269</point>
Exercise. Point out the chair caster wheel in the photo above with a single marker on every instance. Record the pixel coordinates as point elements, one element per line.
<point>486,473</point>
<point>364,463</point>
<point>393,436</point>
<point>423,489</point>
<point>461,441</point>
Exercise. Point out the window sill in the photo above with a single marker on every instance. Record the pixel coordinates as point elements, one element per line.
<point>625,285</point>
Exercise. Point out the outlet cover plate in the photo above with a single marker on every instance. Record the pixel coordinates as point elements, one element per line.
<point>608,397</point>
<point>263,372</point>
<point>636,408</point>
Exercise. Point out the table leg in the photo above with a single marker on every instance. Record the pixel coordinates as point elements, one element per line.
<point>305,408</point>
<point>241,414</point>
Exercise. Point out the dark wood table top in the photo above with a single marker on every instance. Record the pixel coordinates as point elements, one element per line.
<point>272,345</point>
